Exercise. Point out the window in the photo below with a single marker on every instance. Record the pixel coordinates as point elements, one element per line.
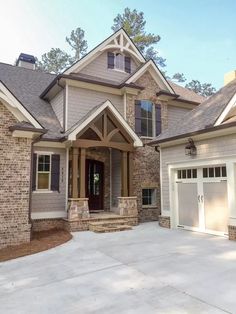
<point>118,61</point>
<point>147,118</point>
<point>43,172</point>
<point>149,197</point>
<point>214,172</point>
<point>187,174</point>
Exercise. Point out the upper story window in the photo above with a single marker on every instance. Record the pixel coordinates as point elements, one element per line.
<point>147,118</point>
<point>118,61</point>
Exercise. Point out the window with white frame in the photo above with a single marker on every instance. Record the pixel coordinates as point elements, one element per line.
<point>147,118</point>
<point>149,197</point>
<point>118,61</point>
<point>43,172</point>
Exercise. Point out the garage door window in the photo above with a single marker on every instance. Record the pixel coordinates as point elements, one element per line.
<point>187,174</point>
<point>214,172</point>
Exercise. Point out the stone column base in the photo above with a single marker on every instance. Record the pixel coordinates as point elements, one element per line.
<point>164,221</point>
<point>78,208</point>
<point>232,232</point>
<point>127,206</point>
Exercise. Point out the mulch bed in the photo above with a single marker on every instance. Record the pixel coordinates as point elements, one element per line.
<point>41,241</point>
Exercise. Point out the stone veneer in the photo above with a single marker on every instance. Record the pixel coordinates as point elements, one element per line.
<point>232,232</point>
<point>15,160</point>
<point>78,208</point>
<point>146,160</point>
<point>127,206</point>
<point>164,221</point>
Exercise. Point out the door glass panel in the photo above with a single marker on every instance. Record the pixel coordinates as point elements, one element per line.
<point>211,172</point>
<point>194,173</point>
<point>224,174</point>
<point>184,174</point>
<point>217,172</point>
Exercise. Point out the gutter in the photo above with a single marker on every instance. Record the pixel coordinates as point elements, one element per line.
<point>208,129</point>
<point>86,80</point>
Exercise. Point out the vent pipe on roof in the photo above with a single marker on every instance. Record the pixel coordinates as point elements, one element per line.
<point>229,77</point>
<point>26,61</point>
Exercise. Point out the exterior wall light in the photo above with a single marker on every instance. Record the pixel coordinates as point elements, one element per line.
<point>190,148</point>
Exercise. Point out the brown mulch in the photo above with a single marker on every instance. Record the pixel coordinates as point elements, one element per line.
<point>41,241</point>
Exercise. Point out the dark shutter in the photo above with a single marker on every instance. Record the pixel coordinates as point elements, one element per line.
<point>158,120</point>
<point>34,165</point>
<point>138,120</point>
<point>127,64</point>
<point>110,60</point>
<point>55,172</point>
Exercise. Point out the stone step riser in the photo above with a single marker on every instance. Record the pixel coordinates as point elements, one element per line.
<point>111,229</point>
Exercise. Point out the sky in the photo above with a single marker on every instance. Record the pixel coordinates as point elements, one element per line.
<point>197,37</point>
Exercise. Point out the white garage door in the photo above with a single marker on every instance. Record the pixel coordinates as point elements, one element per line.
<point>202,199</point>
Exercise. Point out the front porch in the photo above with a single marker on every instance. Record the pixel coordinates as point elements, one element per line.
<point>100,187</point>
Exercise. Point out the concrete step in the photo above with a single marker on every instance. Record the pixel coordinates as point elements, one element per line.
<point>110,228</point>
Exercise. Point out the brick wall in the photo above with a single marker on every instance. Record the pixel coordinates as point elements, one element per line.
<point>15,156</point>
<point>146,159</point>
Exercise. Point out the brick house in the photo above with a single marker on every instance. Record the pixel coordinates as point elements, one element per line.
<point>74,145</point>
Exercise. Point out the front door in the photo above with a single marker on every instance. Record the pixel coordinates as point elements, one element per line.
<point>94,184</point>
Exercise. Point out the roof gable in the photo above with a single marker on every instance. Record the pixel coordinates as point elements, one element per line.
<point>151,67</point>
<point>16,107</point>
<point>119,40</point>
<point>72,133</point>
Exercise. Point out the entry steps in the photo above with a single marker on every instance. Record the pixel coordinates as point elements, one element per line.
<point>109,226</point>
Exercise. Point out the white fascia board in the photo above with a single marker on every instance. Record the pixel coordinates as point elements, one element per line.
<point>122,121</point>
<point>90,56</point>
<point>154,71</point>
<point>14,105</point>
<point>226,111</point>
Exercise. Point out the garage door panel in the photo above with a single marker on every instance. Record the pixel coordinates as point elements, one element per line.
<point>188,204</point>
<point>216,206</point>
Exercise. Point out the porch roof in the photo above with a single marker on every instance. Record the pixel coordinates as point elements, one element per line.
<point>95,112</point>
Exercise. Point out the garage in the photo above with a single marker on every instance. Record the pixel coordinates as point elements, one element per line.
<point>202,199</point>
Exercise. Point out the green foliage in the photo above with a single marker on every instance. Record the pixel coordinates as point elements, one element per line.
<point>205,89</point>
<point>54,61</point>
<point>78,43</point>
<point>179,77</point>
<point>133,23</point>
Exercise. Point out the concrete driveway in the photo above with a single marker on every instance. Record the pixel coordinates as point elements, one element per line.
<point>146,270</point>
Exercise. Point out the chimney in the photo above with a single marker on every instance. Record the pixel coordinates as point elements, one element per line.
<point>26,61</point>
<point>229,77</point>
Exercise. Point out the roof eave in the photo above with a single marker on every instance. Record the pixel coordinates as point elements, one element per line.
<point>190,134</point>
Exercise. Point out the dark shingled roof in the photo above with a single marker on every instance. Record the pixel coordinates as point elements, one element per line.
<point>26,85</point>
<point>186,94</point>
<point>202,117</point>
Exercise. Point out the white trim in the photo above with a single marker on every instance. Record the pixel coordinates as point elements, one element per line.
<point>155,73</point>
<point>17,109</point>
<point>123,122</point>
<point>226,111</point>
<point>45,215</point>
<point>104,45</point>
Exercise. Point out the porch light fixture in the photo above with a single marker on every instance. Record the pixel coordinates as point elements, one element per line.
<point>190,148</point>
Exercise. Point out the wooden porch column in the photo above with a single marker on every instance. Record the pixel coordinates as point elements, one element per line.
<point>130,172</point>
<point>82,173</point>
<point>74,172</point>
<point>124,174</point>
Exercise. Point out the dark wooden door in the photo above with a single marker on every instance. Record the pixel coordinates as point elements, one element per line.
<point>94,184</point>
